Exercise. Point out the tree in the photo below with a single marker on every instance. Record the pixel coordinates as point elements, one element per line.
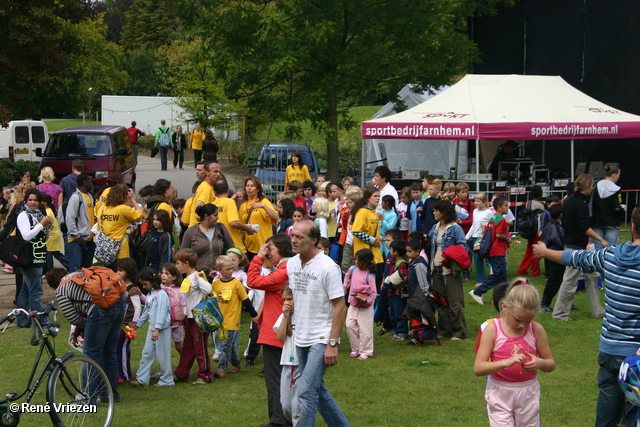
<point>150,24</point>
<point>35,54</point>
<point>298,60</point>
<point>114,16</point>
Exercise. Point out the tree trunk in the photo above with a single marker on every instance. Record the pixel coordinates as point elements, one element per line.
<point>331,137</point>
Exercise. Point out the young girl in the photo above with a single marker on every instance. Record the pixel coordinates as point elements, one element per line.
<point>512,350</point>
<point>403,206</point>
<point>128,271</point>
<point>388,219</point>
<point>289,359</point>
<point>320,208</point>
<point>322,190</point>
<point>346,239</point>
<point>298,215</point>
<point>54,244</point>
<point>365,224</point>
<point>285,209</point>
<point>297,170</point>
<point>160,243</point>
<point>360,283</point>
<point>309,193</point>
<point>158,342</point>
<point>481,216</point>
<point>171,280</point>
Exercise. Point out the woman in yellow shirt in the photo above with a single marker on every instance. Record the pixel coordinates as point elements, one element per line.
<point>297,170</point>
<point>119,210</point>
<point>366,224</point>
<point>258,212</point>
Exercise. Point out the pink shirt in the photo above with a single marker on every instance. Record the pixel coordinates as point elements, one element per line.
<point>360,285</point>
<point>504,347</point>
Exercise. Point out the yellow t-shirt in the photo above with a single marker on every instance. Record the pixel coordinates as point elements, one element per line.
<point>54,244</point>
<point>367,221</point>
<point>228,213</point>
<point>186,213</point>
<point>296,173</point>
<point>332,225</point>
<point>114,221</point>
<point>167,208</point>
<point>102,198</point>
<point>196,137</point>
<point>204,195</point>
<point>230,296</point>
<point>258,216</point>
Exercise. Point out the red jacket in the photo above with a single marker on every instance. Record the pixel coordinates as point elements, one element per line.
<point>272,305</point>
<point>457,253</point>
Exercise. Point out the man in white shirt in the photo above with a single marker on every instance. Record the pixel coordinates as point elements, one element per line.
<point>381,178</point>
<point>319,316</point>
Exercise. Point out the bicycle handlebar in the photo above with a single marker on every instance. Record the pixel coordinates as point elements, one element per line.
<point>16,311</point>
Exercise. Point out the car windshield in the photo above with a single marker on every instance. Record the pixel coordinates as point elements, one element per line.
<point>78,144</point>
<point>274,158</point>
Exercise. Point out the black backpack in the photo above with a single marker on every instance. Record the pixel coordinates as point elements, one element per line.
<point>527,222</point>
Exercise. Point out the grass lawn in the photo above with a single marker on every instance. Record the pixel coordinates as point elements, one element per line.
<point>56,125</point>
<point>400,386</point>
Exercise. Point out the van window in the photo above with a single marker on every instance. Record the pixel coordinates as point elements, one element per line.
<point>118,138</point>
<point>22,134</point>
<point>75,144</point>
<point>37,135</point>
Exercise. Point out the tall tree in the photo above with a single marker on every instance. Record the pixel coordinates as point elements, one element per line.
<point>114,16</point>
<point>150,24</point>
<point>35,52</point>
<point>309,60</point>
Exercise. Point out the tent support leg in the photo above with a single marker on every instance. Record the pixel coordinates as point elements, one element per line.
<point>573,161</point>
<point>478,165</point>
<point>363,162</point>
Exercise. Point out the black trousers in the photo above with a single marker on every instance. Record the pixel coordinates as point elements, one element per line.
<point>197,156</point>
<point>178,156</point>
<point>272,373</point>
<point>554,273</point>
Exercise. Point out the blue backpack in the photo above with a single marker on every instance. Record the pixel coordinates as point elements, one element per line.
<point>209,318</point>
<point>484,242</point>
<point>164,138</point>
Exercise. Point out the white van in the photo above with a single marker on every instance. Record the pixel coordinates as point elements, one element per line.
<point>21,138</point>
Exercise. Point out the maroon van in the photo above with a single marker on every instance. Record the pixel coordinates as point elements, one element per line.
<point>104,149</point>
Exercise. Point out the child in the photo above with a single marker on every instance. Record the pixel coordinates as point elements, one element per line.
<point>418,278</point>
<point>309,191</point>
<point>195,343</point>
<point>285,209</point>
<point>320,208</point>
<point>405,199</point>
<point>528,259</point>
<point>158,342</point>
<point>298,215</point>
<point>324,245</point>
<point>160,242</point>
<point>498,251</point>
<point>512,350</point>
<point>449,191</point>
<point>321,190</point>
<point>285,331</point>
<point>296,187</point>
<point>232,297</point>
<point>481,216</point>
<point>127,268</point>
<point>352,196</point>
<point>396,288</point>
<point>509,216</point>
<point>553,237</point>
<point>179,226</point>
<point>496,299</point>
<point>360,283</point>
<point>464,204</point>
<point>171,279</point>
<point>415,208</point>
<point>419,237</point>
<point>388,219</point>
<point>54,244</point>
<point>347,182</point>
<point>296,171</point>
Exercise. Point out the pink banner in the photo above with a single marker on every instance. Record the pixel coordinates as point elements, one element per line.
<point>419,130</point>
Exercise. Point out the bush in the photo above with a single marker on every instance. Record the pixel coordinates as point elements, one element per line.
<point>147,140</point>
<point>9,170</point>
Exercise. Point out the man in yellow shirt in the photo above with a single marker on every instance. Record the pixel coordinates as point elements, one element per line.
<point>195,143</point>
<point>204,194</point>
<point>228,213</point>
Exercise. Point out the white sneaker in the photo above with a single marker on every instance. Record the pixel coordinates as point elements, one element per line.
<point>476,298</point>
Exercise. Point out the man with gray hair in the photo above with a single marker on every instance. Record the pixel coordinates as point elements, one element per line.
<point>319,314</point>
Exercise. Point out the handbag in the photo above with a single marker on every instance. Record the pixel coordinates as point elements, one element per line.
<point>107,249</point>
<point>154,151</point>
<point>16,252</point>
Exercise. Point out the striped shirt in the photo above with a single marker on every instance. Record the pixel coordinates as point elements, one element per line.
<point>74,300</point>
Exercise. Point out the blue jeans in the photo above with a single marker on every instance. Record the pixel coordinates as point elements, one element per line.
<point>613,407</point>
<point>101,338</point>
<point>78,256</point>
<point>499,275</point>
<point>313,395</point>
<point>163,157</point>
<point>230,350</point>
<point>59,256</point>
<point>30,296</point>
<point>609,234</point>
<point>481,276</point>
<point>396,307</point>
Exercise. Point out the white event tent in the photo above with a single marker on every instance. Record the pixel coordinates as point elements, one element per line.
<point>501,107</point>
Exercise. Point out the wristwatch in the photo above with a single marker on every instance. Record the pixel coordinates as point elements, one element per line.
<point>333,342</point>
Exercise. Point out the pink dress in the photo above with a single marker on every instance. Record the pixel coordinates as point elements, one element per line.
<point>51,189</point>
<point>504,347</point>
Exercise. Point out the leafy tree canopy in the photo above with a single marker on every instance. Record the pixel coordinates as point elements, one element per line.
<point>150,24</point>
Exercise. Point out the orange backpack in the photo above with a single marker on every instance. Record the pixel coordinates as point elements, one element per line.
<point>103,284</point>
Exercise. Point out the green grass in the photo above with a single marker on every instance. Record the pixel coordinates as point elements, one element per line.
<point>56,125</point>
<point>400,386</point>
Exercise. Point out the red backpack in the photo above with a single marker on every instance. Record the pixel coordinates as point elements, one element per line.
<point>103,284</point>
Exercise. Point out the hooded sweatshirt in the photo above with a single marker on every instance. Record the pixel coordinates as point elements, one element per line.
<point>607,211</point>
<point>621,268</point>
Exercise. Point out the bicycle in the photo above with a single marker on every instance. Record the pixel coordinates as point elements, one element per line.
<point>78,390</point>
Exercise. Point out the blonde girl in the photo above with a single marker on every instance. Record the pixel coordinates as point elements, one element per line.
<point>171,279</point>
<point>320,208</point>
<point>512,350</point>
<point>481,216</point>
<point>289,360</point>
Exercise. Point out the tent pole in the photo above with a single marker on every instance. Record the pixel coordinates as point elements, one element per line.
<point>573,162</point>
<point>478,165</point>
<point>457,160</point>
<point>363,162</point>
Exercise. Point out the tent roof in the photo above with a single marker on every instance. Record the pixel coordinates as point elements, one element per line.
<point>409,97</point>
<point>507,107</point>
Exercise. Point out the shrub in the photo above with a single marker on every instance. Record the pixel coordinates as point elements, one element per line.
<point>8,170</point>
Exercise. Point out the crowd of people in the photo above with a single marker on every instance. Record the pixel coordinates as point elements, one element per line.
<point>317,260</point>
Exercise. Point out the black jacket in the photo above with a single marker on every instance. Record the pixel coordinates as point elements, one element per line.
<point>209,149</point>
<point>607,212</point>
<point>576,221</point>
<point>179,141</point>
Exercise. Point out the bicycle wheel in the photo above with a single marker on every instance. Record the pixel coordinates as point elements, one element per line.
<point>80,394</point>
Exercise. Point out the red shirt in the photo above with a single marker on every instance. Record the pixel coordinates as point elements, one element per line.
<point>499,247</point>
<point>300,202</point>
<point>272,305</point>
<point>133,134</point>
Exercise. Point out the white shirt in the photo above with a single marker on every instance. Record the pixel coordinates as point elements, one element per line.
<point>289,356</point>
<point>479,218</point>
<point>199,289</point>
<point>387,190</point>
<point>313,289</point>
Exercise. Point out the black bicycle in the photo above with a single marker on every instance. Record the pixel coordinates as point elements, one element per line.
<point>78,390</point>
